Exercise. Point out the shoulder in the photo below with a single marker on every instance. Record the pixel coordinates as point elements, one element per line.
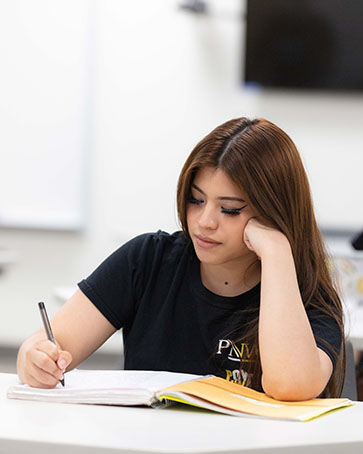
<point>137,261</point>
<point>152,245</point>
<point>158,239</point>
<point>143,251</point>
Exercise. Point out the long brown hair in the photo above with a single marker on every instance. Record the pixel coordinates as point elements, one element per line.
<point>263,162</point>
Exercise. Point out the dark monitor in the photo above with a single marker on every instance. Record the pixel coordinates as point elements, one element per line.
<point>316,44</point>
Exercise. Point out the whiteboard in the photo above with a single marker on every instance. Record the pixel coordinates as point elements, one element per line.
<point>44,113</point>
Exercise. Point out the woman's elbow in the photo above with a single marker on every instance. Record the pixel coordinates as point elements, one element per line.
<point>289,389</point>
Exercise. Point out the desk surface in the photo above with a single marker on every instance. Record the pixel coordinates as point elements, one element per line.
<point>40,427</point>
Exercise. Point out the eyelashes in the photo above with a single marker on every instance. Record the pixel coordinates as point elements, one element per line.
<point>228,211</point>
<point>232,212</point>
<point>194,201</point>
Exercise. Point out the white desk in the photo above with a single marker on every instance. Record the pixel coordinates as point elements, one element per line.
<point>43,428</point>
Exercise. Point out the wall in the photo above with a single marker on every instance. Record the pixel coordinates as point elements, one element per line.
<point>44,92</point>
<point>162,78</point>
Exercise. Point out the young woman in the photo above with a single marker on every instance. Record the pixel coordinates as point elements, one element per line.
<point>242,292</point>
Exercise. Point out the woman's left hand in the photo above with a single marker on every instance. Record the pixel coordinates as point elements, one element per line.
<point>262,239</point>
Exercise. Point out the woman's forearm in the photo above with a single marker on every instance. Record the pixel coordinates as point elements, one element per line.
<point>290,359</point>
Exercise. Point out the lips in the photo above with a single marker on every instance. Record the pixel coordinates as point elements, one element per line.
<point>205,242</point>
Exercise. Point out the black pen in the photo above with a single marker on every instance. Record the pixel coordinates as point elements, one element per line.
<point>47,327</point>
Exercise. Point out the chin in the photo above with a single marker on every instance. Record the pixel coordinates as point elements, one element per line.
<point>218,258</point>
<point>209,258</point>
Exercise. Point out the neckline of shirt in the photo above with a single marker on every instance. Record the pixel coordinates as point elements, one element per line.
<point>233,302</point>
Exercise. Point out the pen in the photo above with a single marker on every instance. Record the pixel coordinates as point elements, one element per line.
<point>47,327</point>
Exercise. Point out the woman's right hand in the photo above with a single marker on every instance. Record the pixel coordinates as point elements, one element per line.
<point>41,363</point>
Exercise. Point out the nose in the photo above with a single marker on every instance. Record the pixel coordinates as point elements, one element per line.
<point>208,219</point>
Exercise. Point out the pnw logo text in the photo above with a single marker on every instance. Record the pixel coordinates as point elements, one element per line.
<point>242,354</point>
<point>225,346</point>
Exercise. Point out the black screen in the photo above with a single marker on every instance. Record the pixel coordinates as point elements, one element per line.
<point>304,44</point>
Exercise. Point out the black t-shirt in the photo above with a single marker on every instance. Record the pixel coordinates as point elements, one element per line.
<point>151,287</point>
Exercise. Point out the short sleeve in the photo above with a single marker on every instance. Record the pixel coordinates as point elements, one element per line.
<point>115,285</point>
<point>327,333</point>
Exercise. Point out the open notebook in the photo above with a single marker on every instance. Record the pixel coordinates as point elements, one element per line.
<point>151,388</point>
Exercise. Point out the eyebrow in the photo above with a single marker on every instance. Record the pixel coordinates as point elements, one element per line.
<point>236,199</point>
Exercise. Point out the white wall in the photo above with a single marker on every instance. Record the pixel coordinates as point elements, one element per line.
<point>44,92</point>
<point>162,79</point>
